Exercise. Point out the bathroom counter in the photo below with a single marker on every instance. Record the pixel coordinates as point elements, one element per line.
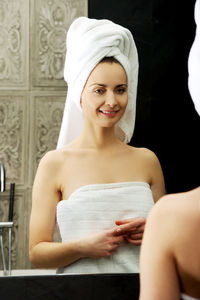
<point>70,287</point>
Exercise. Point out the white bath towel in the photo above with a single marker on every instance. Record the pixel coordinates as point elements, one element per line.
<point>194,62</point>
<point>186,297</point>
<point>88,42</point>
<point>93,208</point>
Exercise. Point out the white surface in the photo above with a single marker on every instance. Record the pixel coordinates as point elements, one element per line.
<point>30,272</point>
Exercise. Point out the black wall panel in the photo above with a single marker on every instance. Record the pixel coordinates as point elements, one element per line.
<point>166,121</point>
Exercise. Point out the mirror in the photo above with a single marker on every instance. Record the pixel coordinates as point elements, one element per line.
<point>32,92</point>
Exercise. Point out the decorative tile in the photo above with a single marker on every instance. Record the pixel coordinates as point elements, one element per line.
<point>14,45</point>
<point>13,133</point>
<point>51,20</point>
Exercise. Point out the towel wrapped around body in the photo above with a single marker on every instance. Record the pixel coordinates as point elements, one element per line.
<point>95,207</point>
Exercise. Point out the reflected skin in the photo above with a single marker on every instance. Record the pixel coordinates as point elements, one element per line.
<point>170,264</point>
<point>103,102</point>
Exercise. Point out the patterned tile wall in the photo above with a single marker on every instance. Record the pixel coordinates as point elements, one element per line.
<point>32,96</point>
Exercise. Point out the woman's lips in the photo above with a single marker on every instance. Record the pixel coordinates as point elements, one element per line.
<point>109,113</point>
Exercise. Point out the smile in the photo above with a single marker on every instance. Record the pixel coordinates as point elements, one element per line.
<point>109,113</point>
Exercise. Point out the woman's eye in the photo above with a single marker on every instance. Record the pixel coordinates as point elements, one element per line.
<point>99,91</point>
<point>121,90</point>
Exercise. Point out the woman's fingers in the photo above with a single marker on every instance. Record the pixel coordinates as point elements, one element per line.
<point>136,225</point>
<point>129,226</point>
<point>114,244</point>
<point>123,229</point>
<point>134,242</point>
<point>136,221</point>
<point>101,244</point>
<point>136,230</point>
<point>128,232</point>
<point>137,236</point>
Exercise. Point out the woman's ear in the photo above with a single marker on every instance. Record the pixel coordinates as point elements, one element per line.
<point>81,101</point>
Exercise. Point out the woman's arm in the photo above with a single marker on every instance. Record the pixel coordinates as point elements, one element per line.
<point>45,196</point>
<point>158,276</point>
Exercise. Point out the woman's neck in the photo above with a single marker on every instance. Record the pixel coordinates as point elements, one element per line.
<point>96,137</point>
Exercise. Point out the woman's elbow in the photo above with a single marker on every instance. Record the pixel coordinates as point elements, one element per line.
<point>34,258</point>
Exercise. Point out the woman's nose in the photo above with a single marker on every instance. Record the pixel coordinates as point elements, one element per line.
<point>111,99</point>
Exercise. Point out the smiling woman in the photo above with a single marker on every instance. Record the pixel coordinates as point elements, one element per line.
<point>102,189</point>
<point>105,95</point>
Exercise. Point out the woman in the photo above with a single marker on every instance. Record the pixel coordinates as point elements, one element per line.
<point>170,254</point>
<point>98,188</point>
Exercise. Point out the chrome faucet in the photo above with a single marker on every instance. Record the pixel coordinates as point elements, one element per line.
<point>2,224</point>
<point>2,178</point>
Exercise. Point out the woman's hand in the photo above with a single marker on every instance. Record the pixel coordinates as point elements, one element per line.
<point>103,243</point>
<point>134,233</point>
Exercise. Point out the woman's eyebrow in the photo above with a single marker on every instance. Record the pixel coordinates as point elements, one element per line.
<point>101,84</point>
<point>123,84</point>
<point>104,85</point>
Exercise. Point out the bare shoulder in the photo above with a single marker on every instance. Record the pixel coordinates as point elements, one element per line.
<point>180,201</point>
<point>178,209</point>
<point>52,161</point>
<point>149,156</point>
<point>150,166</point>
<point>145,154</point>
<point>51,158</point>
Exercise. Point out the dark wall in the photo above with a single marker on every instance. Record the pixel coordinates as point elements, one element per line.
<point>166,121</point>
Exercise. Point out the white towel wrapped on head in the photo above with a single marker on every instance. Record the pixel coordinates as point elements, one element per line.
<point>88,42</point>
<point>194,62</point>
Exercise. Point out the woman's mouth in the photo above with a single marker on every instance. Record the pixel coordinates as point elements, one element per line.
<point>109,113</point>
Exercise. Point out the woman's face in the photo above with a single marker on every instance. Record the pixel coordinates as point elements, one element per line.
<point>105,96</point>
